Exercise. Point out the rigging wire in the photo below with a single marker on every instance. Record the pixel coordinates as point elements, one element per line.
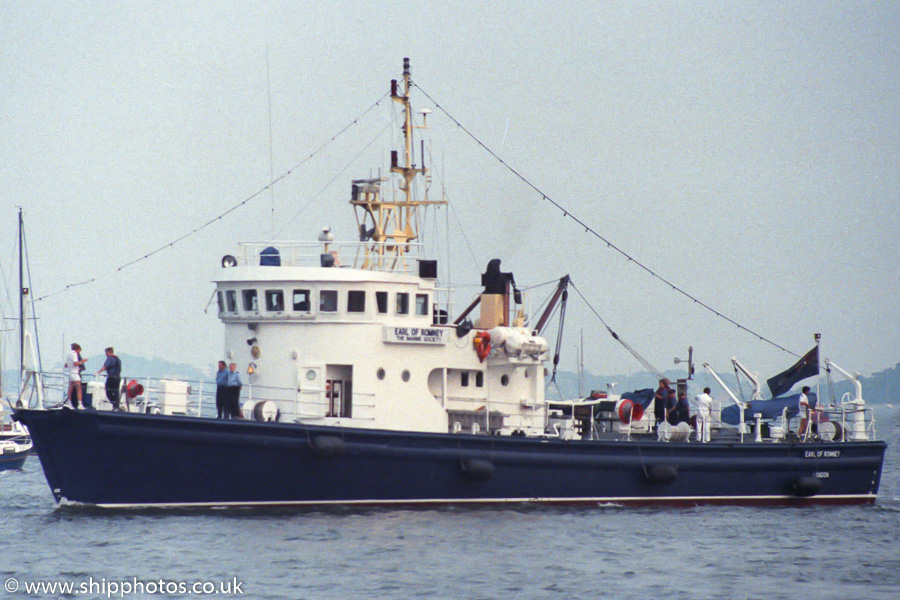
<point>240,204</point>
<point>333,179</point>
<point>539,285</point>
<point>647,365</point>
<point>465,237</point>
<point>588,229</point>
<point>37,338</point>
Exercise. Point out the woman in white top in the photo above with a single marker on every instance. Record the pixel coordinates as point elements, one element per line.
<point>73,368</point>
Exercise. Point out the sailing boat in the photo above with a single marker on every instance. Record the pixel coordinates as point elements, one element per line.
<point>15,443</point>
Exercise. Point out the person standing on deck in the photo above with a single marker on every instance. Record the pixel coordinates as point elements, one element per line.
<point>233,410</point>
<point>74,364</point>
<point>704,414</point>
<point>671,408</point>
<point>803,411</point>
<point>682,408</point>
<point>659,400</point>
<point>222,392</point>
<point>113,368</point>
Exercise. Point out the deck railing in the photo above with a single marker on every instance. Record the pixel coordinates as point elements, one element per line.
<point>377,256</point>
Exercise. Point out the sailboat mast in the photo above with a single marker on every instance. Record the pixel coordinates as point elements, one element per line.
<point>21,298</point>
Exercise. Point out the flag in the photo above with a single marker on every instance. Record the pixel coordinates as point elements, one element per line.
<point>805,367</point>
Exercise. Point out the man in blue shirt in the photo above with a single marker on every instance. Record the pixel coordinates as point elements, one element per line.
<point>113,368</point>
<point>233,408</point>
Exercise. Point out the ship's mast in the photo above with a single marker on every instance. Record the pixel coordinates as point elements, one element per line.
<point>391,224</point>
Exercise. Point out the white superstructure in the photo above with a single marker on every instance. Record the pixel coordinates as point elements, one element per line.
<point>358,334</point>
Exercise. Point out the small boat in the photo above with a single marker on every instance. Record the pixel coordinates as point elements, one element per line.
<point>359,389</point>
<point>15,445</point>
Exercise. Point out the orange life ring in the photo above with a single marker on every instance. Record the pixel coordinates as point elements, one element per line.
<point>483,345</point>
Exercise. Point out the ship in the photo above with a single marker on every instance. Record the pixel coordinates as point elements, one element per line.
<point>362,388</point>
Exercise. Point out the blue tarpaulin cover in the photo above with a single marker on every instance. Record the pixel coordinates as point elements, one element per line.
<point>770,409</point>
<point>643,397</point>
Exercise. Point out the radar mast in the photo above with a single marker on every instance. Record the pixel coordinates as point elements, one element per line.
<point>391,225</point>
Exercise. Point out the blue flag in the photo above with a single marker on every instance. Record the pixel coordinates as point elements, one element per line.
<point>805,367</point>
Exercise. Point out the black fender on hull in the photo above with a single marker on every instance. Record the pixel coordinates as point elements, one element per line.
<point>660,474</point>
<point>477,469</point>
<point>328,446</point>
<point>807,486</point>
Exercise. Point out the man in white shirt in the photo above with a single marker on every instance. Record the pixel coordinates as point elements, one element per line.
<point>803,411</point>
<point>704,415</point>
<point>73,369</point>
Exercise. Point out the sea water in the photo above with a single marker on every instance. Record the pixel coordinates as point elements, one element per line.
<point>453,553</point>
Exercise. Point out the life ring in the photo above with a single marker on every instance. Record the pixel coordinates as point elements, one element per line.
<point>483,345</point>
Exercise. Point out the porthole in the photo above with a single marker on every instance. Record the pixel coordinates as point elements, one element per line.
<point>311,375</point>
<point>405,375</point>
<point>380,374</point>
<point>504,380</point>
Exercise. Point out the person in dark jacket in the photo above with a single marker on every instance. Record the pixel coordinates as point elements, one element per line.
<point>683,408</point>
<point>659,400</point>
<point>671,408</point>
<point>113,368</point>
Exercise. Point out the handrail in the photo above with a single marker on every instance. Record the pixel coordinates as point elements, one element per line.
<point>309,254</point>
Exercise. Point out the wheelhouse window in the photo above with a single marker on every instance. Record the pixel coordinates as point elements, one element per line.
<point>381,299</point>
<point>328,301</point>
<point>251,302</point>
<point>274,300</point>
<point>301,301</point>
<point>479,379</point>
<point>422,304</point>
<point>220,297</point>
<point>356,301</point>
<point>402,303</point>
<point>231,301</point>
<point>464,379</point>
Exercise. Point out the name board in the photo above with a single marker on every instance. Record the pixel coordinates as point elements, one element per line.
<point>415,335</point>
<point>822,454</point>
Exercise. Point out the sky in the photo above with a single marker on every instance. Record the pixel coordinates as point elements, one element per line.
<point>746,153</point>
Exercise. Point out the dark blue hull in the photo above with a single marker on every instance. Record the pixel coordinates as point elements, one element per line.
<point>120,459</point>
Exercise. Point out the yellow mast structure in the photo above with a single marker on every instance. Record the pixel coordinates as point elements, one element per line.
<point>391,224</point>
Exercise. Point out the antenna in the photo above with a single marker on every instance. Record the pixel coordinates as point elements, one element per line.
<point>271,160</point>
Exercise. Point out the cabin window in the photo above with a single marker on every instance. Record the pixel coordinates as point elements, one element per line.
<point>328,300</point>
<point>381,299</point>
<point>422,304</point>
<point>405,375</point>
<point>274,300</point>
<point>402,304</point>
<point>504,380</point>
<point>231,300</point>
<point>250,301</point>
<point>356,301</point>
<point>301,301</point>
<point>380,373</point>
<point>221,299</point>
<point>479,379</point>
<point>464,378</point>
